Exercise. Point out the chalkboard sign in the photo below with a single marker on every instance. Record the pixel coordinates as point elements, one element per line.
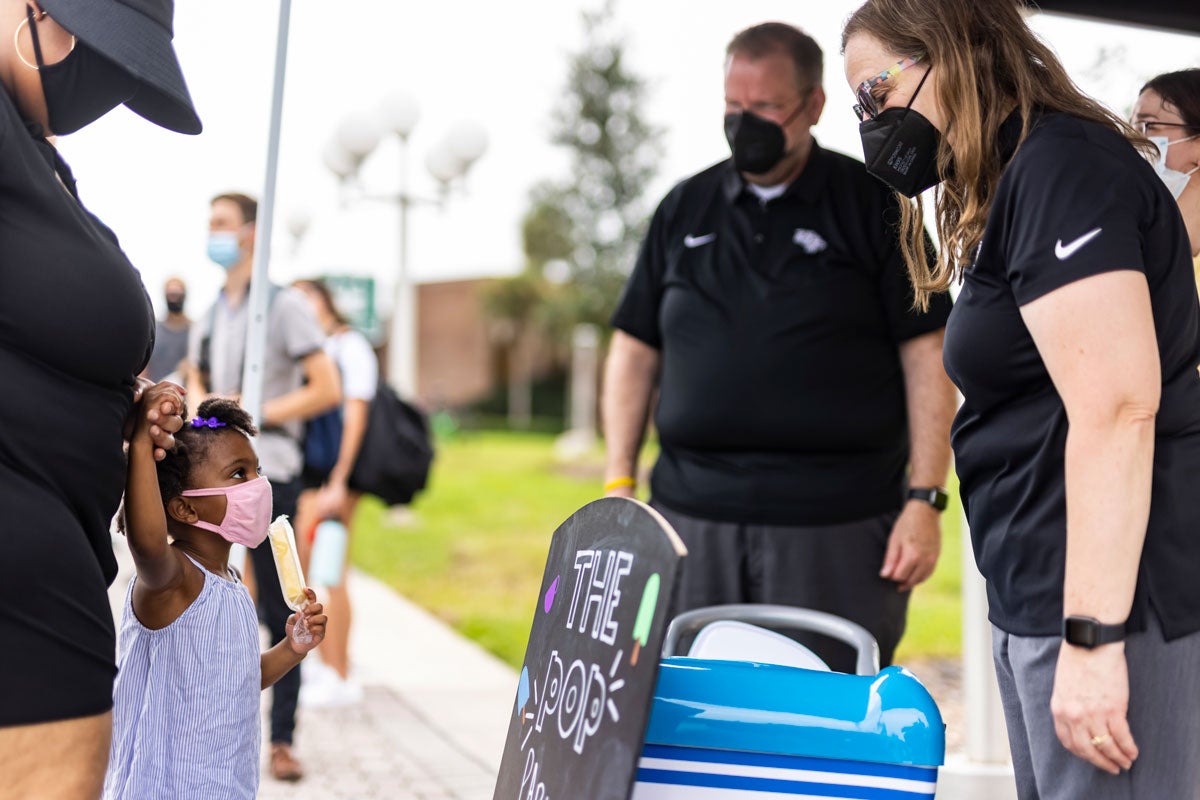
<point>592,660</point>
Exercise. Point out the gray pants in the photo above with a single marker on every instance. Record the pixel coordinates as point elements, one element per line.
<point>832,568</point>
<point>1164,715</point>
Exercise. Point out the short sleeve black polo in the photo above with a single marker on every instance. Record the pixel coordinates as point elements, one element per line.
<point>781,392</point>
<point>1076,200</point>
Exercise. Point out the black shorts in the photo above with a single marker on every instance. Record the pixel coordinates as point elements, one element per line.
<point>313,478</point>
<point>56,627</point>
<point>831,568</point>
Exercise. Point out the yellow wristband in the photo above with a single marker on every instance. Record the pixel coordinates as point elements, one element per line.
<point>617,483</point>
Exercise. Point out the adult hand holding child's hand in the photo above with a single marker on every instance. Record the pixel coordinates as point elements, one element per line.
<point>161,406</point>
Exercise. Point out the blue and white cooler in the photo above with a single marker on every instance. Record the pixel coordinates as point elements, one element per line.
<point>749,714</point>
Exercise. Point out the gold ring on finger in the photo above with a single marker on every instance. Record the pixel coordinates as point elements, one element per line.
<point>1101,739</point>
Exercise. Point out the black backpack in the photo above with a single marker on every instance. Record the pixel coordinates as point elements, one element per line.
<point>397,450</point>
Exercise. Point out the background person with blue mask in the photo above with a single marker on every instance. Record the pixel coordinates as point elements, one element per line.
<point>1168,112</point>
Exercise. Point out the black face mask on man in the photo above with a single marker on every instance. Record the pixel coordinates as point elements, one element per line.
<point>757,144</point>
<point>175,303</point>
<point>82,87</point>
<point>900,147</point>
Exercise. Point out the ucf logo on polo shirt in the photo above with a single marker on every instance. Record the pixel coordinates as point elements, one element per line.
<point>810,242</point>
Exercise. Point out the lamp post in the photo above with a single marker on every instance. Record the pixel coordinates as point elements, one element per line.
<point>358,136</point>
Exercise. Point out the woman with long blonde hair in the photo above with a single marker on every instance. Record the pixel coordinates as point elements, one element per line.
<point>1074,343</point>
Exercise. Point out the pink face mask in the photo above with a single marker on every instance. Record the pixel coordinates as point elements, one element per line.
<point>247,511</point>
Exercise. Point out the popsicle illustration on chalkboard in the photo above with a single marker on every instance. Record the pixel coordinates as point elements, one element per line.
<point>645,617</point>
<point>523,693</point>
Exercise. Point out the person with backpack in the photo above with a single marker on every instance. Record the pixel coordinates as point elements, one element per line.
<point>300,381</point>
<point>327,504</point>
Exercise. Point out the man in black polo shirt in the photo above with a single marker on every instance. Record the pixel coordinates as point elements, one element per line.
<point>803,410</point>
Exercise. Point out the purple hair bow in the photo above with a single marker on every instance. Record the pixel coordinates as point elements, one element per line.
<point>211,422</point>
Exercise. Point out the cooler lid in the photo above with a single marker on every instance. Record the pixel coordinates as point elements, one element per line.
<point>889,718</point>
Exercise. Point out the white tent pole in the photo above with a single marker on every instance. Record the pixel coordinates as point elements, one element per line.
<point>984,771</point>
<point>256,330</point>
<point>987,738</point>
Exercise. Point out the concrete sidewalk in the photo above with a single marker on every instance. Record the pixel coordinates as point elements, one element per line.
<point>432,722</point>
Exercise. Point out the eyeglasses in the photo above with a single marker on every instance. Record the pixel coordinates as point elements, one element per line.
<point>1143,126</point>
<point>866,107</point>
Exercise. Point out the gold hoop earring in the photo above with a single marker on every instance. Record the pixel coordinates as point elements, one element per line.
<point>17,41</point>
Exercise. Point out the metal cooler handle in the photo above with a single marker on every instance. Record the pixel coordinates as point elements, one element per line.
<point>780,617</point>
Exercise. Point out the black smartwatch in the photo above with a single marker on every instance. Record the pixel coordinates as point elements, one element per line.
<point>935,495</point>
<point>1090,633</point>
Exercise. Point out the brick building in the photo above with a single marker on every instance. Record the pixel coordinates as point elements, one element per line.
<point>462,355</point>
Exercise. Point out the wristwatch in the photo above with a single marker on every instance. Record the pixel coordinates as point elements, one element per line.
<point>934,495</point>
<point>1090,633</point>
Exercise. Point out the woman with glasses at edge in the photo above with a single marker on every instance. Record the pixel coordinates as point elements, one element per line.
<point>1167,112</point>
<point>1074,341</point>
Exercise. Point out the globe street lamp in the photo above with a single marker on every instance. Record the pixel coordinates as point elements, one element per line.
<point>356,137</point>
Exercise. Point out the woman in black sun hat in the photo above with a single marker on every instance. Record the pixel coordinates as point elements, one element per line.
<point>76,326</point>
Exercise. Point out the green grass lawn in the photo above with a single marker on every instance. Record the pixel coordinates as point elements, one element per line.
<point>473,550</point>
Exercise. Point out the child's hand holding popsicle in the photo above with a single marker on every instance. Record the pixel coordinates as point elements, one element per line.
<point>312,619</point>
<point>298,597</point>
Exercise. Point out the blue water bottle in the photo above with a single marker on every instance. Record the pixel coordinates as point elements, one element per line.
<point>328,554</point>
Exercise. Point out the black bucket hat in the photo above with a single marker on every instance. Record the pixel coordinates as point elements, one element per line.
<point>136,35</point>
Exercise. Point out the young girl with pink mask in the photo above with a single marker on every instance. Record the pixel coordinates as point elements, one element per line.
<point>186,705</point>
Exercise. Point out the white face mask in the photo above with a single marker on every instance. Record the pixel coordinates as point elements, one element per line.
<point>1175,180</point>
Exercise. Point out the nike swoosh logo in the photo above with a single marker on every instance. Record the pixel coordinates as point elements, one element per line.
<point>1066,251</point>
<point>697,241</point>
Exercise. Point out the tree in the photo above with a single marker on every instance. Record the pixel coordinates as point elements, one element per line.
<point>581,233</point>
<point>511,305</point>
<point>614,153</point>
<point>588,226</point>
<point>521,307</point>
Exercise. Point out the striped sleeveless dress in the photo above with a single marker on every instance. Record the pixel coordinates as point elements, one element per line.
<point>186,701</point>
